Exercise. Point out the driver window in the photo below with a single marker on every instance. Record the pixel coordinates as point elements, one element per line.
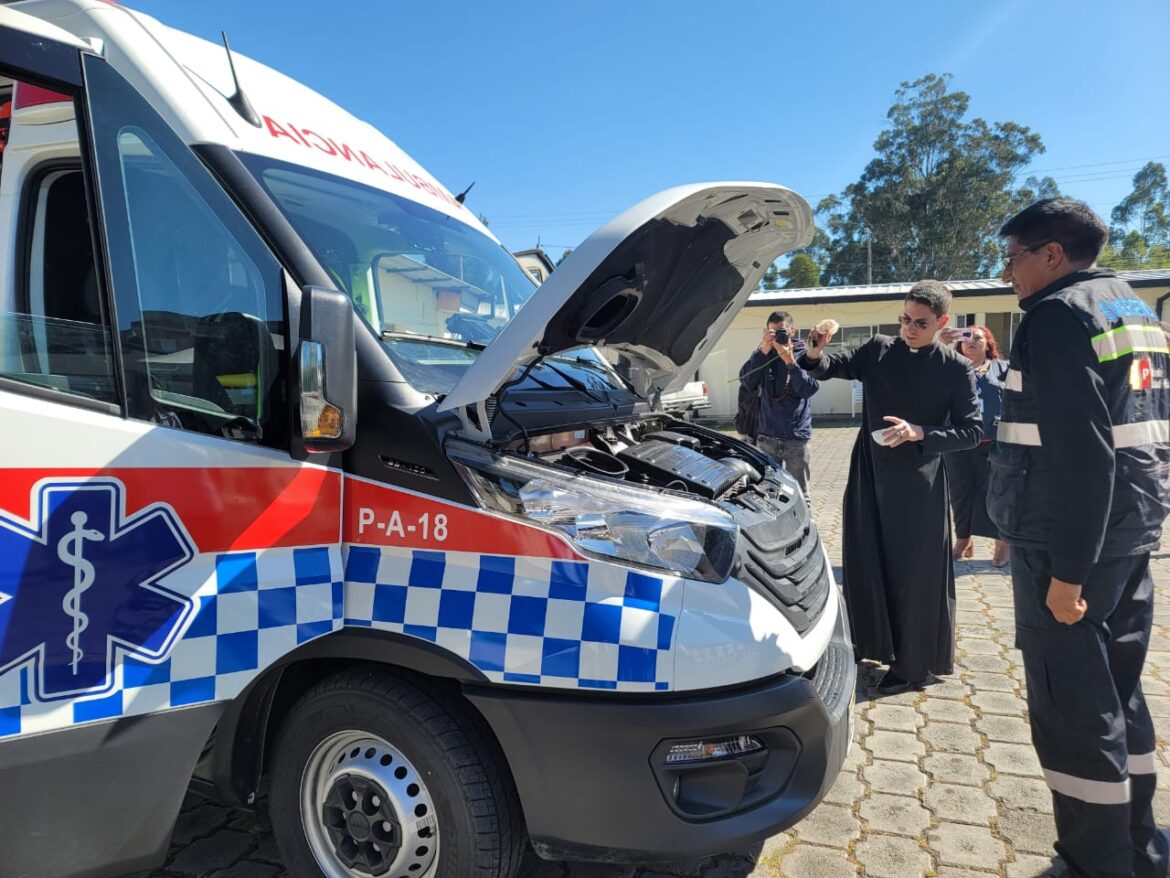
<point>203,349</point>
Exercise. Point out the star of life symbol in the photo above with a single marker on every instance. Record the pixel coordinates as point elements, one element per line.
<point>79,585</point>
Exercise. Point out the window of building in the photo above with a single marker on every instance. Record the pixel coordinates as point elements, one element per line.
<point>852,336</point>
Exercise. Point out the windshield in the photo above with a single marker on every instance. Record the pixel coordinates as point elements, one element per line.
<point>426,282</point>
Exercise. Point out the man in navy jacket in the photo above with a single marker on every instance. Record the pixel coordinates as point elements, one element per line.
<point>1079,487</point>
<point>784,427</point>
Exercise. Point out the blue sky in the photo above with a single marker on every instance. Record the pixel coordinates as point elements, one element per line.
<point>567,113</point>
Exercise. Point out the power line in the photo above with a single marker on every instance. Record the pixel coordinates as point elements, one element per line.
<point>596,217</point>
<point>1152,158</point>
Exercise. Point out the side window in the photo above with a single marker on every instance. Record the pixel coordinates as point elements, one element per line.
<point>53,332</point>
<point>200,300</point>
<point>204,349</point>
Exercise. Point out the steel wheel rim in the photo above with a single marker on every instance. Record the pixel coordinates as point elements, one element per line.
<point>353,785</point>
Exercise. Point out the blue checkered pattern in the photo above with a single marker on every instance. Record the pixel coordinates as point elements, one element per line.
<point>558,624</point>
<point>253,608</point>
<point>562,624</point>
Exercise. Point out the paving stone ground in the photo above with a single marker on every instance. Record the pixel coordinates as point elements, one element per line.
<point>939,783</point>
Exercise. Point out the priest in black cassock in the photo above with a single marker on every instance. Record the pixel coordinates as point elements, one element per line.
<point>919,402</point>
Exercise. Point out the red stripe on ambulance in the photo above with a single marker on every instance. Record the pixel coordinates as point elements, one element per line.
<point>223,509</point>
<point>379,515</point>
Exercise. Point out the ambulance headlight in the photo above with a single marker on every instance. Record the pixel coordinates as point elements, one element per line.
<point>606,519</point>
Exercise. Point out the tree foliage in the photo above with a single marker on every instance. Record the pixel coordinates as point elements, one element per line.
<point>563,257</point>
<point>816,253</point>
<point>931,201</point>
<point>1035,189</point>
<point>1141,222</point>
<point>819,250</point>
<point>1133,251</point>
<point>771,278</point>
<point>801,272</point>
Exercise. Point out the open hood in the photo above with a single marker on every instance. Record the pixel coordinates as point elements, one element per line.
<point>660,284</point>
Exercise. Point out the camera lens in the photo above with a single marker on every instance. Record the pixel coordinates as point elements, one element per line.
<point>782,336</point>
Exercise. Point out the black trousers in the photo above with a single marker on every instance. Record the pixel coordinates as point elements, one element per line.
<point>1090,724</point>
<point>967,473</point>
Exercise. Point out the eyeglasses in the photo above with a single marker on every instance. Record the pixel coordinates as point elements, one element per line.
<point>1010,258</point>
<point>906,320</point>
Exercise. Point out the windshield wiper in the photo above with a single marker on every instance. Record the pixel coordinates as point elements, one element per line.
<point>438,339</point>
<point>608,371</point>
<point>532,377</point>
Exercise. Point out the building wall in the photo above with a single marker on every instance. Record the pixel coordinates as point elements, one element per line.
<point>535,266</point>
<point>858,321</point>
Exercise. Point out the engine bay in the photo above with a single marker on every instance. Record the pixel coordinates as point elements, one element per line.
<point>672,456</point>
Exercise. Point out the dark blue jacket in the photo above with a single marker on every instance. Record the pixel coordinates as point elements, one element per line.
<point>785,410</point>
<point>1081,461</point>
<point>989,388</point>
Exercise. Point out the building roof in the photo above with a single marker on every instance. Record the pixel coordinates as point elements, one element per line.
<point>537,254</point>
<point>1152,277</point>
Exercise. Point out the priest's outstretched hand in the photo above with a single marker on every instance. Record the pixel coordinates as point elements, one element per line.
<point>819,338</point>
<point>901,431</point>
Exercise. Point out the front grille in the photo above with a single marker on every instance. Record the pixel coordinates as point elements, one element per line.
<point>780,555</point>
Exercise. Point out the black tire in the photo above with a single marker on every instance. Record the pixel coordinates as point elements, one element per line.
<point>479,824</point>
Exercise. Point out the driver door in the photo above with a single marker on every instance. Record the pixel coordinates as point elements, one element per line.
<point>159,547</point>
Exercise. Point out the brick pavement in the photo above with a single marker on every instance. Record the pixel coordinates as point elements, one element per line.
<point>939,783</point>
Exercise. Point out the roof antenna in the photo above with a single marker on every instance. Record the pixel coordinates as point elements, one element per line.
<point>239,100</point>
<point>463,194</point>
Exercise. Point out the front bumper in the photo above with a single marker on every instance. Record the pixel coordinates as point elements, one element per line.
<point>593,782</point>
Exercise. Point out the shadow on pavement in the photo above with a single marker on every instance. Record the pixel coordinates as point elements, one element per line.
<point>732,864</point>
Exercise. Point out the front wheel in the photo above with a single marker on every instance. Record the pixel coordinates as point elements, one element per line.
<point>374,775</point>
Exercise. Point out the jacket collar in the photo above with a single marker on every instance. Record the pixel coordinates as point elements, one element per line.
<point>1061,283</point>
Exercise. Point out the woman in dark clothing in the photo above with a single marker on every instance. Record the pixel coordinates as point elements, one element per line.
<point>967,471</point>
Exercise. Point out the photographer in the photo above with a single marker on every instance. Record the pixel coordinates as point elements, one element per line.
<point>784,423</point>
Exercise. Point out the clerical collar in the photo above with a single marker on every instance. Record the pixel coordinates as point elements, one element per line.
<point>929,347</point>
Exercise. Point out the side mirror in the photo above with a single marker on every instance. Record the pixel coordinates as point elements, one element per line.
<point>326,361</point>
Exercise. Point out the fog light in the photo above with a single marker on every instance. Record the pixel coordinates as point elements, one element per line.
<point>719,748</point>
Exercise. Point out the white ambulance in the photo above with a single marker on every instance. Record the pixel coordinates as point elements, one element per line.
<point>307,498</point>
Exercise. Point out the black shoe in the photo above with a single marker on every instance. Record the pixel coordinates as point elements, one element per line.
<point>892,684</point>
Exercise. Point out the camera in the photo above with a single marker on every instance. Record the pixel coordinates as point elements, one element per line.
<point>781,336</point>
